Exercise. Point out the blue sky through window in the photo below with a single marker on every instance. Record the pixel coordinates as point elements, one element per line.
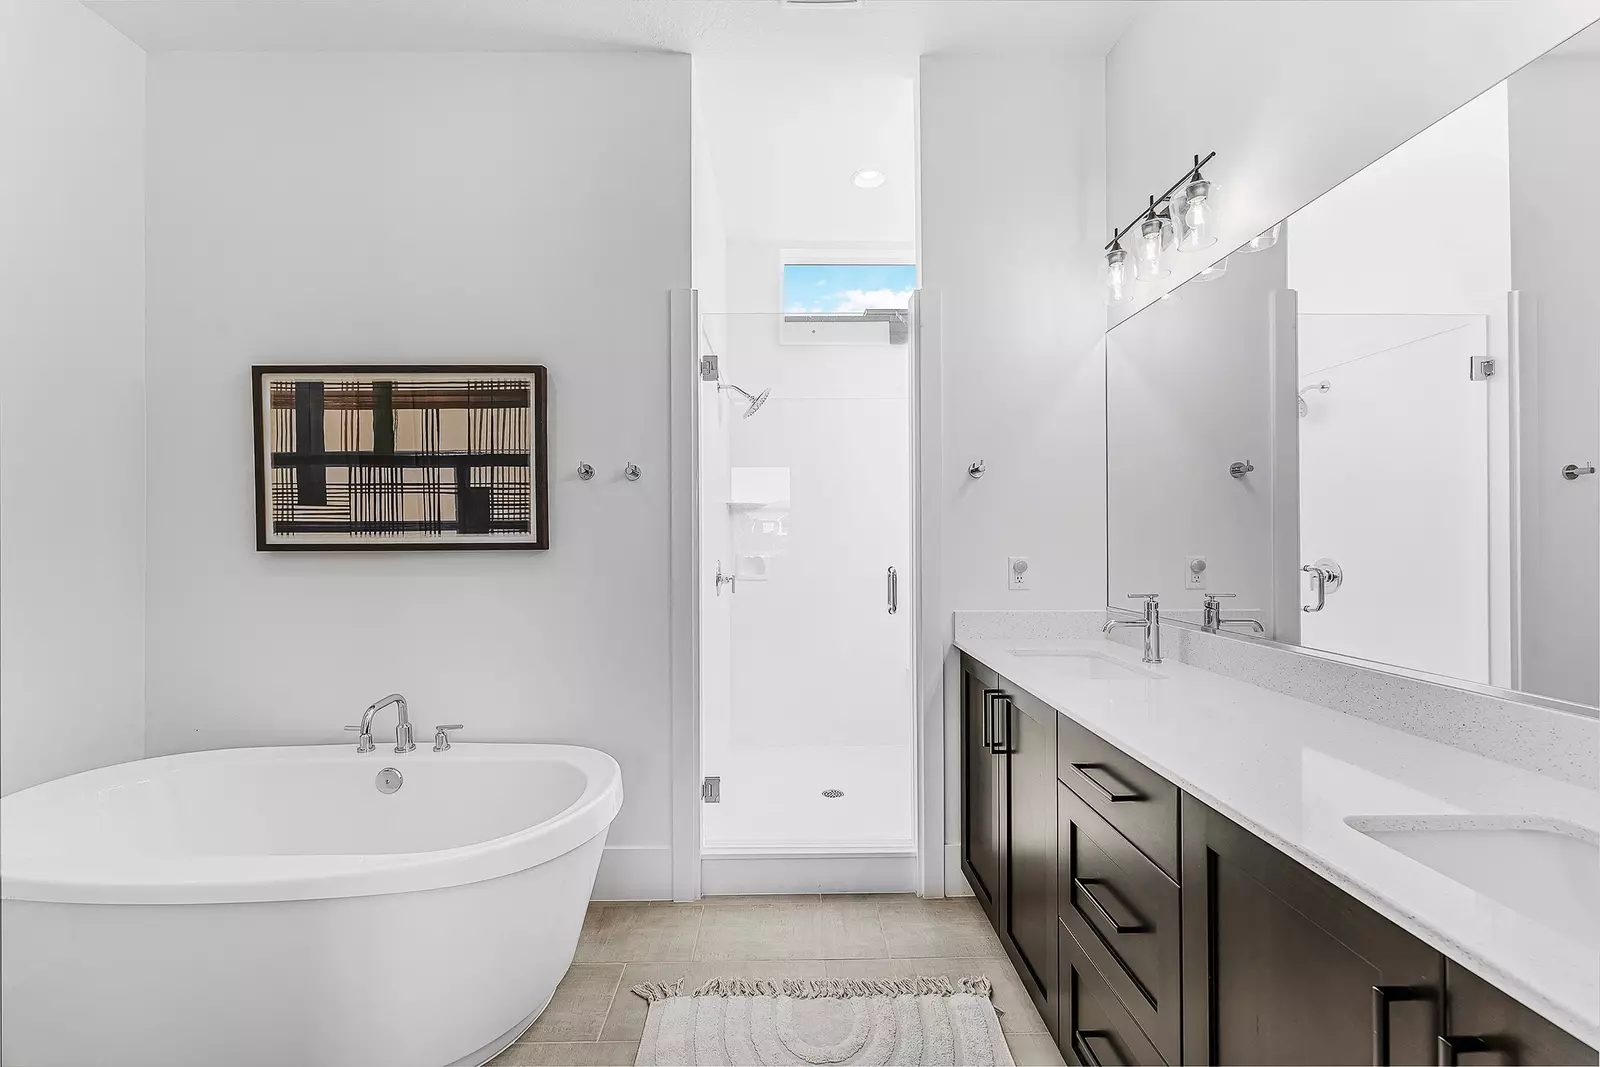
<point>846,288</point>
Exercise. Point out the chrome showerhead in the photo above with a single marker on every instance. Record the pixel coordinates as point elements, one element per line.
<point>755,401</point>
<point>1321,387</point>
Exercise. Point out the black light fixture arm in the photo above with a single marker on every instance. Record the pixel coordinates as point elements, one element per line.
<point>1193,173</point>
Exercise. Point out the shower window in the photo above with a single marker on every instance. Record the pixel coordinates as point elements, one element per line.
<point>846,303</point>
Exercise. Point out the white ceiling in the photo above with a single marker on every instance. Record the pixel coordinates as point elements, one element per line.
<point>879,30</point>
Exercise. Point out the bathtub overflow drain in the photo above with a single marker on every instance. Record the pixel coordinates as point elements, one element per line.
<point>833,794</point>
<point>388,780</point>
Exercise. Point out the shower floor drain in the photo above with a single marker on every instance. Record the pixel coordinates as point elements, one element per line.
<point>833,794</point>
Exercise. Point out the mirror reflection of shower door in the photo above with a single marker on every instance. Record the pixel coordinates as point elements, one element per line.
<point>814,750</point>
<point>1394,484</point>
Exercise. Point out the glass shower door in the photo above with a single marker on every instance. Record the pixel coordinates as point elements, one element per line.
<point>806,655</point>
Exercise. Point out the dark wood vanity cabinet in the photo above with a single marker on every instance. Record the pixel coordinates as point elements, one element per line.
<point>1008,822</point>
<point>1122,914</point>
<point>1280,967</point>
<point>1028,914</point>
<point>1484,1026</point>
<point>981,779</point>
<point>1150,929</point>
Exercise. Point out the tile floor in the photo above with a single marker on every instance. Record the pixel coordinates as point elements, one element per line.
<point>594,1020</point>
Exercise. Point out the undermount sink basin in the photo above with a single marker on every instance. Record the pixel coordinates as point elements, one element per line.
<point>1094,666</point>
<point>1545,869</point>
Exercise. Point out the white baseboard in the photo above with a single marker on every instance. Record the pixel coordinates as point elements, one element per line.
<point>634,872</point>
<point>813,873</point>
<point>955,883</point>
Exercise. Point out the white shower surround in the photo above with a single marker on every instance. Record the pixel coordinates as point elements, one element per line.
<point>271,906</point>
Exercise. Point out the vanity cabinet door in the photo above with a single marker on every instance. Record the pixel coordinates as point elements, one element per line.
<point>1028,914</point>
<point>981,768</point>
<point>1279,967</point>
<point>1485,1026</point>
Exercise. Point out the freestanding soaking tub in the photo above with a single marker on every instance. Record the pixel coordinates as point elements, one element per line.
<point>274,907</point>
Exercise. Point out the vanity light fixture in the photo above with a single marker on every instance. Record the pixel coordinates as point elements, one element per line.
<point>1185,215</point>
<point>1194,212</point>
<point>868,179</point>
<point>1263,240</point>
<point>1119,276</point>
<point>1155,234</point>
<point>1215,271</point>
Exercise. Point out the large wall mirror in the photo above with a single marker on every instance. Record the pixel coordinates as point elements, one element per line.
<point>1377,424</point>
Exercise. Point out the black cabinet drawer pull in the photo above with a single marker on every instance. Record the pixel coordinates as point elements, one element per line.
<point>1382,997</point>
<point>1082,886</point>
<point>1116,798</point>
<point>1451,1047</point>
<point>1080,1046</point>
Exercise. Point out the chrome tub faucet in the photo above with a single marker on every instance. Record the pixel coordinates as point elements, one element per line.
<point>402,729</point>
<point>1150,624</point>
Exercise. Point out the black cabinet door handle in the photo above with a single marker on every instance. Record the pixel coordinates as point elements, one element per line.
<point>1129,793</point>
<point>1451,1047</point>
<point>1081,1049</point>
<point>988,717</point>
<point>1082,886</point>
<point>1382,997</point>
<point>1002,738</point>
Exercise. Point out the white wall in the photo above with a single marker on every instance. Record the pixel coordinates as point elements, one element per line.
<point>1296,97</point>
<point>72,418</point>
<point>1555,155</point>
<point>1013,194</point>
<point>1188,393</point>
<point>419,208</point>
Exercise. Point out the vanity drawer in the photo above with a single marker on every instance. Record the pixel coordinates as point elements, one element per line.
<point>1095,1028</point>
<point>1124,914</point>
<point>1140,803</point>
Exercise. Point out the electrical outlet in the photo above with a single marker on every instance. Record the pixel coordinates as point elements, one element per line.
<point>1017,576</point>
<point>1194,572</point>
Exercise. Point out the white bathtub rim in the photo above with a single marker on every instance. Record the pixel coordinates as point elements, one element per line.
<point>63,879</point>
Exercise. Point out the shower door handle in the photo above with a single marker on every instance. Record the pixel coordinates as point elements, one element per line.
<point>1326,576</point>
<point>894,591</point>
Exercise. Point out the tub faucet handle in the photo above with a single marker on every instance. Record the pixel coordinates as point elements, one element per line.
<point>364,744</point>
<point>441,740</point>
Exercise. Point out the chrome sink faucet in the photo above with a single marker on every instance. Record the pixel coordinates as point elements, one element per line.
<point>1150,624</point>
<point>402,728</point>
<point>1211,620</point>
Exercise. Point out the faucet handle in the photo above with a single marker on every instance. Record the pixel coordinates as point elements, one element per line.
<point>441,739</point>
<point>365,743</point>
<point>1213,596</point>
<point>1143,596</point>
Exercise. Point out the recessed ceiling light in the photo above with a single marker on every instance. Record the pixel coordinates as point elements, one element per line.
<point>869,179</point>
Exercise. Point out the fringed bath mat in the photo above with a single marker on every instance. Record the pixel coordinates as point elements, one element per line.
<point>891,1021</point>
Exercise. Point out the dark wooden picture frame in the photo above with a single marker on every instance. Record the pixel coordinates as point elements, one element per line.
<point>394,498</point>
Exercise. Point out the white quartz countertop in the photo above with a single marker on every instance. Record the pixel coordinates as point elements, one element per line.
<point>1292,772</point>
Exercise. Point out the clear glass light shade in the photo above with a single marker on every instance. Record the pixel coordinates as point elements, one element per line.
<point>1119,277</point>
<point>1215,271</point>
<point>1263,241</point>
<point>1194,215</point>
<point>1155,234</point>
